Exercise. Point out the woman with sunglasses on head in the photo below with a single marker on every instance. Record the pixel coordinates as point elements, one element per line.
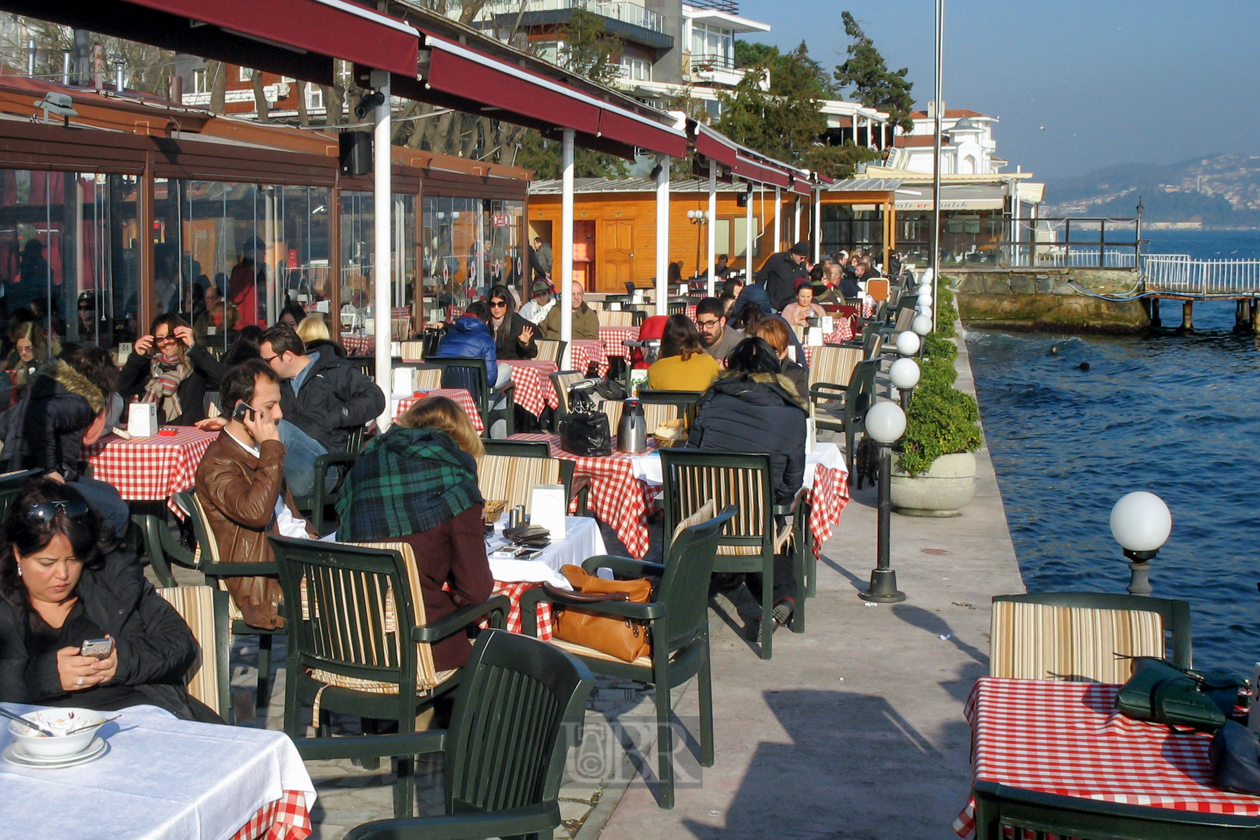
<point>513,335</point>
<point>169,369</point>
<point>57,590</point>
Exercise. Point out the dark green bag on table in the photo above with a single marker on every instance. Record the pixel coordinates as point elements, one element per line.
<point>1160,691</point>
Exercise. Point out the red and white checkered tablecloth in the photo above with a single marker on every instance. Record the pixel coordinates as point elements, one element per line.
<point>531,382</point>
<point>514,590</point>
<point>358,345</point>
<point>843,331</point>
<point>617,498</point>
<point>151,468</point>
<point>588,352</point>
<point>1067,738</point>
<point>612,337</point>
<point>691,311</point>
<point>461,397</point>
<point>454,313</point>
<point>827,499</point>
<point>285,818</point>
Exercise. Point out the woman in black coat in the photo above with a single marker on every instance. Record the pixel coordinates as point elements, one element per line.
<point>161,370</point>
<point>58,590</point>
<point>513,335</point>
<point>753,408</point>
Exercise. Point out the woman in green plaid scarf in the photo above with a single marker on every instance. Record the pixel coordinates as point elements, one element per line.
<point>417,483</point>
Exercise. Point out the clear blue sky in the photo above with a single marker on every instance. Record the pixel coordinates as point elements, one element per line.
<point>1112,81</point>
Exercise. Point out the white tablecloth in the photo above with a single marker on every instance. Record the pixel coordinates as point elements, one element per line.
<point>582,540</point>
<point>648,467</point>
<point>161,778</point>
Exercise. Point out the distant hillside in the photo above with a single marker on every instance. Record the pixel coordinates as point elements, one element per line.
<point>1218,191</point>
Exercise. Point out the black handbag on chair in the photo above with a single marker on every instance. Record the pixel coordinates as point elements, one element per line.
<point>584,430</point>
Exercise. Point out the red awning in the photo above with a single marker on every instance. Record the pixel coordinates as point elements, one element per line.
<point>741,160</point>
<point>479,83</point>
<point>297,38</point>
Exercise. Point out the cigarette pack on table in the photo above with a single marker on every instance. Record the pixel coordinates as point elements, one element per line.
<point>142,420</point>
<point>404,381</point>
<point>547,507</point>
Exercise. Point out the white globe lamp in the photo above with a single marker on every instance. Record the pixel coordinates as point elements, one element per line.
<point>908,343</point>
<point>922,325</point>
<point>1141,523</point>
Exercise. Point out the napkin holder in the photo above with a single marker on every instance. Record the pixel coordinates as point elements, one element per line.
<point>322,306</point>
<point>404,381</point>
<point>142,420</point>
<point>547,508</point>
<point>828,324</point>
<point>395,349</point>
<point>814,336</point>
<point>811,435</point>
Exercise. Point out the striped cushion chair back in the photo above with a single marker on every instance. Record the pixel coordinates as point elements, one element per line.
<point>1052,642</point>
<point>411,351</point>
<point>428,378</point>
<point>549,349</point>
<point>511,478</point>
<point>609,318</point>
<point>204,610</point>
<point>562,381</point>
<point>834,365</point>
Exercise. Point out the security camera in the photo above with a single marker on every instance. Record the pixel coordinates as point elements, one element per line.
<point>367,103</point>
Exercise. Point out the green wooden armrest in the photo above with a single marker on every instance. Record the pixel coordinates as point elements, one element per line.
<point>227,570</point>
<point>827,391</point>
<point>330,459</point>
<point>791,507</point>
<point>369,746</point>
<point>496,607</point>
<point>624,566</point>
<point>644,612</point>
<point>528,820</point>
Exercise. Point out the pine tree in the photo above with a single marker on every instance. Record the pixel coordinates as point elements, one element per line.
<point>874,85</point>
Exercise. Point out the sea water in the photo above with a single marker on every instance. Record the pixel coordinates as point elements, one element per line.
<point>1176,415</point>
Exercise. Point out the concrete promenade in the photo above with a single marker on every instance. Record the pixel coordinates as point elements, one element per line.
<point>854,730</point>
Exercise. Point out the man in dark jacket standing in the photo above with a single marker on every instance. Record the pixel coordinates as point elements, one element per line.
<point>780,272</point>
<point>324,400</point>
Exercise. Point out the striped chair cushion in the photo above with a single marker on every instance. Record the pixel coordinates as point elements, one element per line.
<point>195,604</point>
<point>1047,642</point>
<point>428,379</point>
<point>702,514</point>
<point>427,678</point>
<point>512,477</point>
<point>548,349</point>
<point>834,365</point>
<point>608,318</point>
<point>411,351</point>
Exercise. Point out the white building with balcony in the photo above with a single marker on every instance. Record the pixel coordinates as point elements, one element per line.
<point>967,143</point>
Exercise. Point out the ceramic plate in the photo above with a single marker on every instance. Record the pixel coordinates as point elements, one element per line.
<point>14,754</point>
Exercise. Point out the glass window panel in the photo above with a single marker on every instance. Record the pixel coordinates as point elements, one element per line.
<point>357,242</point>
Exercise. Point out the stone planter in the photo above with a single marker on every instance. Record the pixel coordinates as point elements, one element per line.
<point>941,491</point>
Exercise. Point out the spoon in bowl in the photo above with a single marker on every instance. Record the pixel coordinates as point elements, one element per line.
<point>41,730</point>
<point>94,725</point>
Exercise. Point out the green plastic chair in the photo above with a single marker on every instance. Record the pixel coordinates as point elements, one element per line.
<point>359,645</point>
<point>205,611</point>
<point>533,450</point>
<point>470,374</point>
<point>690,478</point>
<point>858,396</point>
<point>678,622</point>
<point>520,707</point>
<point>683,403</point>
<point>217,570</point>
<point>999,807</point>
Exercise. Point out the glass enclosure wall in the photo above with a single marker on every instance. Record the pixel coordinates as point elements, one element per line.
<point>357,244</point>
<point>846,227</point>
<point>469,245</point>
<point>58,244</point>
<point>966,236</point>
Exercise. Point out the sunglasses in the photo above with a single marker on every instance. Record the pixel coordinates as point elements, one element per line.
<point>498,304</point>
<point>163,339</point>
<point>45,512</point>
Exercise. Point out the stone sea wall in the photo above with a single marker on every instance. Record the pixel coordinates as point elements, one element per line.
<point>1044,300</point>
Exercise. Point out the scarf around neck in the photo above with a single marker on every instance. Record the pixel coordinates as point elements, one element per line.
<point>166,372</point>
<point>407,481</point>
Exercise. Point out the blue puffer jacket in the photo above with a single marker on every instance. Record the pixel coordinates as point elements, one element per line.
<point>471,339</point>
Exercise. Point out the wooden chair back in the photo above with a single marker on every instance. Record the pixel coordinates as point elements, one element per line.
<point>550,349</point>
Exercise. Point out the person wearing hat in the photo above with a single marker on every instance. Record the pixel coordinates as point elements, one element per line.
<point>780,272</point>
<point>536,308</point>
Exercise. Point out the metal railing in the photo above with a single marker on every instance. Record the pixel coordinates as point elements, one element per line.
<point>728,6</point>
<point>620,10</point>
<point>1179,274</point>
<point>711,61</point>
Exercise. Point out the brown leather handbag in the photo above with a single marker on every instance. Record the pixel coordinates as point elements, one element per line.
<point>625,638</point>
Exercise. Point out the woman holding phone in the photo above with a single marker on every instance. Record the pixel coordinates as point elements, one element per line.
<point>61,597</point>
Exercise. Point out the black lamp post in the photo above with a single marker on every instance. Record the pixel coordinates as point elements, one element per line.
<point>885,424</point>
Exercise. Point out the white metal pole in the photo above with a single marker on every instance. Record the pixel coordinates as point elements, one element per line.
<point>382,213</point>
<point>662,235</point>
<point>712,223</point>
<point>817,224</point>
<point>796,224</point>
<point>778,227</point>
<point>566,244</point>
<point>936,162</point>
<point>749,239</point>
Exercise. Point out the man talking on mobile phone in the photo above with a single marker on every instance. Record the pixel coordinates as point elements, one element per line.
<point>240,483</point>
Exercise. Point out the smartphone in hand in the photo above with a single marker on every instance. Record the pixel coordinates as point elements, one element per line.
<point>242,410</point>
<point>100,648</point>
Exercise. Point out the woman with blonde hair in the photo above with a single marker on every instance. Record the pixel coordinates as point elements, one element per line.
<point>417,483</point>
<point>312,328</point>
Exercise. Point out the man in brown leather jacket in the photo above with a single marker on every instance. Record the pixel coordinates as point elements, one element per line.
<point>240,482</point>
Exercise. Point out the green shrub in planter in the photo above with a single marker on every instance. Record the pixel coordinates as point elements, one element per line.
<point>941,421</point>
<point>946,312</point>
